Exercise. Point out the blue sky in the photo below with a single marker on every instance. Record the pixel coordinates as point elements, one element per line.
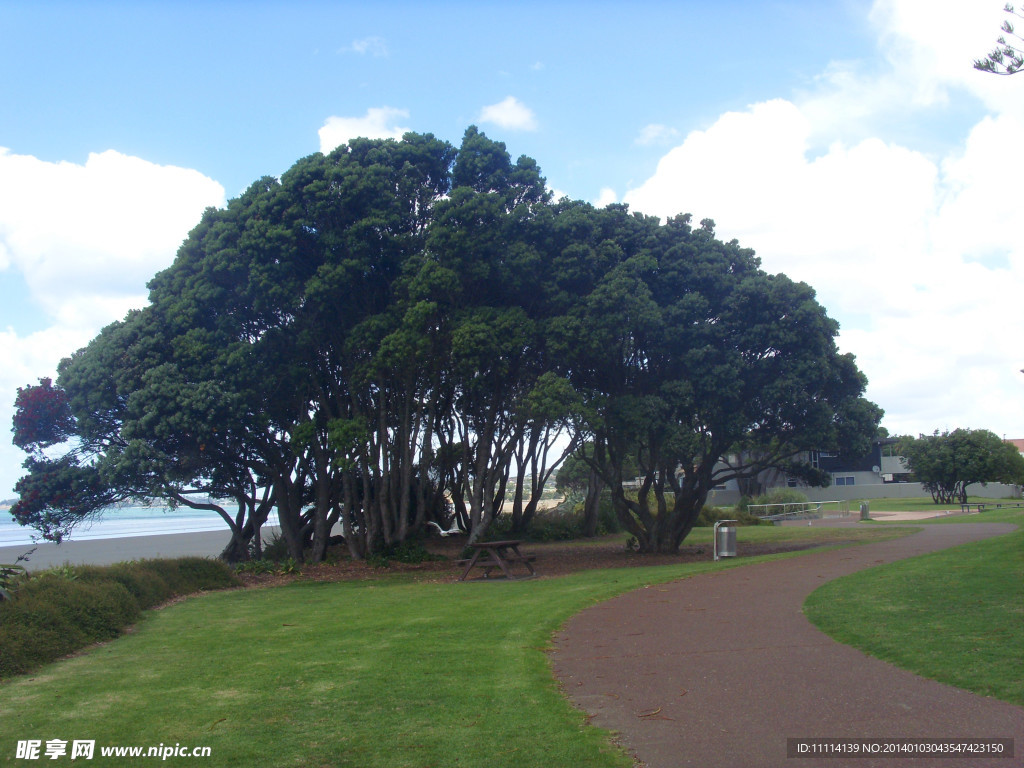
<point>849,142</point>
<point>238,90</point>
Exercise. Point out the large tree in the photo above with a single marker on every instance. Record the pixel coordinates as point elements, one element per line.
<point>685,349</point>
<point>945,464</point>
<point>400,326</point>
<point>343,344</point>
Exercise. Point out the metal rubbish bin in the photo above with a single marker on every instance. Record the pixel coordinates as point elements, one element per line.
<point>864,511</point>
<point>725,539</point>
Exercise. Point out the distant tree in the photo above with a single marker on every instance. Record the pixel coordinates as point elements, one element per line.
<point>945,464</point>
<point>1008,57</point>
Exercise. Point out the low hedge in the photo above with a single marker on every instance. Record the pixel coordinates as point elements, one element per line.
<point>58,612</point>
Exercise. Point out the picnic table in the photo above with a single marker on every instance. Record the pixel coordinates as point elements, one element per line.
<point>498,554</point>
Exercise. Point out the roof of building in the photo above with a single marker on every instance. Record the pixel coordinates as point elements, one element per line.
<point>1018,443</point>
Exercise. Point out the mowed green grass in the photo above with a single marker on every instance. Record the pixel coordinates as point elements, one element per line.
<point>956,616</point>
<point>383,673</point>
<point>923,504</point>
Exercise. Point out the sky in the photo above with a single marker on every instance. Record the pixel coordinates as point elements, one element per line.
<point>850,143</point>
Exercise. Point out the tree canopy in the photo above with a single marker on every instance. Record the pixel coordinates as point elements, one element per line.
<point>389,334</point>
<point>945,464</point>
<point>1006,58</point>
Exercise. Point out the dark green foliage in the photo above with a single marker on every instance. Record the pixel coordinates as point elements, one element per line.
<point>408,551</point>
<point>52,617</point>
<point>389,334</point>
<point>152,582</point>
<point>61,611</point>
<point>945,464</point>
<point>710,515</point>
<point>275,548</point>
<point>782,496</point>
<point>256,567</point>
<point>11,576</point>
<point>556,526</point>
<point>685,351</point>
<point>198,574</point>
<point>607,520</point>
<point>553,525</point>
<point>146,586</point>
<point>58,494</point>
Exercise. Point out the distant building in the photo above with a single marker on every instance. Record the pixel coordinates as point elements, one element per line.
<point>880,466</point>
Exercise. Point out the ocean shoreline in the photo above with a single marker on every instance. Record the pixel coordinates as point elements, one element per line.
<point>122,548</point>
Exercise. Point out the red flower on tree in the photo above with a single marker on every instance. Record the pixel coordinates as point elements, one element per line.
<point>42,416</point>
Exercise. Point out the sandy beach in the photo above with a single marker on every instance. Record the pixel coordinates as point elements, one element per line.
<point>106,551</point>
<point>211,543</point>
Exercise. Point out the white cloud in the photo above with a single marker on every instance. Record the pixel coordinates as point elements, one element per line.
<point>86,235</point>
<point>375,46</point>
<point>656,133</point>
<point>86,239</point>
<point>509,113</point>
<point>916,252</point>
<point>928,49</point>
<point>377,123</point>
<point>26,360</point>
<point>918,259</point>
<point>606,198</point>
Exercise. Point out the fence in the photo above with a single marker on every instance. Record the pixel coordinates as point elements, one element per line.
<point>800,510</point>
<point>878,491</point>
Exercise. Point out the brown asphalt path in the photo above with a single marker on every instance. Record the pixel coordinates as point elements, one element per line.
<point>720,669</point>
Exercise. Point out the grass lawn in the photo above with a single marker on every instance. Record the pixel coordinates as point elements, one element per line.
<point>956,616</point>
<point>377,673</point>
<point>923,504</point>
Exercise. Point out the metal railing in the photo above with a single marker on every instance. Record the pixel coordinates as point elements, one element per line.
<point>799,510</point>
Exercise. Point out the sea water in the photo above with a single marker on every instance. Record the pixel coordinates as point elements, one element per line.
<point>121,522</point>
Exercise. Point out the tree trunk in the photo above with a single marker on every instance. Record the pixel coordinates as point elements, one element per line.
<point>592,504</point>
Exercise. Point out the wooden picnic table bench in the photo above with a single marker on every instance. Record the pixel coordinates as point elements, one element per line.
<point>997,504</point>
<point>498,554</point>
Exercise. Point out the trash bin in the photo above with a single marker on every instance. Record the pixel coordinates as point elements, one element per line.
<point>725,539</point>
<point>864,512</point>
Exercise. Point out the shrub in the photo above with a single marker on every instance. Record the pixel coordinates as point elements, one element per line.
<point>275,548</point>
<point>59,611</point>
<point>146,586</point>
<point>255,567</point>
<point>408,551</point>
<point>607,520</point>
<point>25,646</point>
<point>711,515</point>
<point>555,525</point>
<point>203,573</point>
<point>792,498</point>
<point>52,617</point>
<point>782,496</point>
<point>11,576</point>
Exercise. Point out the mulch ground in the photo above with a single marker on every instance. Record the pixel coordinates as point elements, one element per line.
<point>553,559</point>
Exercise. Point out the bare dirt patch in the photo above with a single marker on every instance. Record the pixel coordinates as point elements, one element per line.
<point>553,559</point>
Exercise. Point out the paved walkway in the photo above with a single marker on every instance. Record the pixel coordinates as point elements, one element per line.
<point>721,668</point>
